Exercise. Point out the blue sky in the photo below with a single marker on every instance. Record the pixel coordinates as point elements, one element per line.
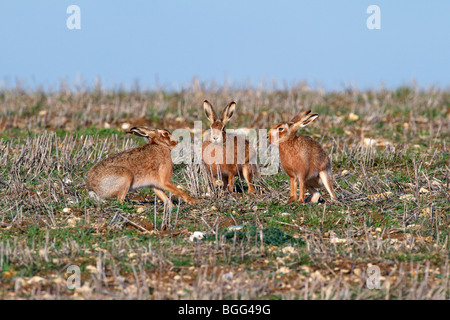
<point>325,43</point>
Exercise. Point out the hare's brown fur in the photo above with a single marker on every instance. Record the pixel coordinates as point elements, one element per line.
<point>219,163</point>
<point>149,165</point>
<point>303,158</point>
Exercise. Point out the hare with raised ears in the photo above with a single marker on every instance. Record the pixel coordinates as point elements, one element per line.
<point>224,158</point>
<point>303,159</point>
<point>149,165</point>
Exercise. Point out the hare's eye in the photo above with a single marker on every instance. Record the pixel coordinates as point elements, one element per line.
<point>280,129</point>
<point>165,134</point>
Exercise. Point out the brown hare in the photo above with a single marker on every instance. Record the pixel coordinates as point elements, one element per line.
<point>227,155</point>
<point>303,159</point>
<point>149,165</point>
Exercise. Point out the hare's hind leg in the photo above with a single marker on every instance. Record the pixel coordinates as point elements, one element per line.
<point>327,181</point>
<point>119,189</point>
<point>311,185</point>
<point>247,172</point>
<point>123,185</point>
<point>315,195</point>
<point>116,183</point>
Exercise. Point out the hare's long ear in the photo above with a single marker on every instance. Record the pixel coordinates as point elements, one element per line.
<point>228,112</point>
<point>209,111</point>
<point>299,116</point>
<point>303,119</point>
<point>143,132</point>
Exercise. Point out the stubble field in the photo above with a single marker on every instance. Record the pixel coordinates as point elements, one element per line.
<point>390,159</point>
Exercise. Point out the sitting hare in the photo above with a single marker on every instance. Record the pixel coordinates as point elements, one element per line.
<point>303,159</point>
<point>227,155</point>
<point>149,165</point>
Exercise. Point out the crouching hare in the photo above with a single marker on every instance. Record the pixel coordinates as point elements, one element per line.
<point>226,159</point>
<point>149,165</point>
<point>303,159</point>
